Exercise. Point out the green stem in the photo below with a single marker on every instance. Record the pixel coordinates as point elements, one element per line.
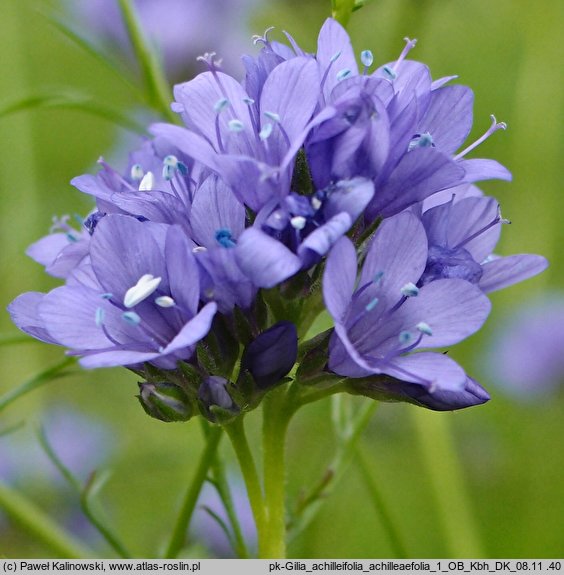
<point>156,84</point>
<point>191,497</point>
<point>276,417</point>
<point>39,524</point>
<point>447,480</point>
<point>238,438</point>
<point>377,499</point>
<point>336,469</point>
<point>222,486</point>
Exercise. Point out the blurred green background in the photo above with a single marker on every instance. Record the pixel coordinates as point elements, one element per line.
<point>508,455</point>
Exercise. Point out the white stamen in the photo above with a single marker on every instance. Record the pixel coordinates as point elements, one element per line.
<point>199,249</point>
<point>220,105</point>
<point>171,161</point>
<point>367,58</point>
<point>266,132</point>
<point>146,285</point>
<point>410,290</point>
<point>316,203</point>
<point>272,116</point>
<point>372,304</point>
<point>404,337</point>
<point>137,172</point>
<point>236,125</point>
<point>147,183</point>
<point>248,101</point>
<point>99,317</point>
<point>165,301</point>
<point>131,318</point>
<point>298,222</point>
<point>342,74</point>
<point>424,328</point>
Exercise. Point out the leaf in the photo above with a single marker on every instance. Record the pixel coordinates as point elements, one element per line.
<point>90,48</point>
<point>93,485</point>
<point>76,101</point>
<point>221,523</point>
<point>35,381</point>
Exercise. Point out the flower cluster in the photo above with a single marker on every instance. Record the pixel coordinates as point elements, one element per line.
<point>203,266</point>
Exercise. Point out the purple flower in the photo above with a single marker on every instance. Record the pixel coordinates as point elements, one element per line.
<point>63,249</point>
<point>137,301</point>
<point>527,355</point>
<point>462,236</point>
<point>386,317</point>
<point>300,230</point>
<point>248,143</point>
<point>158,185</point>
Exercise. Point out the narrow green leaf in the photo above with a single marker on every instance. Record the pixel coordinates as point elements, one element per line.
<point>220,522</point>
<point>36,522</point>
<point>86,493</point>
<point>76,101</point>
<point>96,52</point>
<point>158,89</point>
<point>35,381</point>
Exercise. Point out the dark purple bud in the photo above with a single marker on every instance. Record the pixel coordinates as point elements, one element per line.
<point>472,394</point>
<point>272,354</point>
<point>165,401</point>
<point>388,389</point>
<point>215,401</point>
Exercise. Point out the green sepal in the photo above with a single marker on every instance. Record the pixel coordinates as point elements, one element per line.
<point>165,401</point>
<point>222,416</point>
<point>312,356</point>
<point>243,330</point>
<point>301,178</point>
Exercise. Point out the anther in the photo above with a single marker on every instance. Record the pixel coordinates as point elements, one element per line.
<point>371,304</point>
<point>131,318</point>
<point>236,125</point>
<point>272,116</point>
<point>424,328</point>
<point>171,161</point>
<point>316,203</point>
<point>404,337</point>
<point>165,301</point>
<point>367,58</point>
<point>107,295</point>
<point>265,133</point>
<point>248,101</point>
<point>99,317</point>
<point>224,238</point>
<point>342,74</point>
<point>298,222</point>
<point>199,249</point>
<point>424,140</point>
<point>220,105</point>
<point>410,290</point>
<point>136,172</point>
<point>147,183</point>
<point>146,285</point>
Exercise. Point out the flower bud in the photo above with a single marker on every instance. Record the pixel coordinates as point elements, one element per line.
<point>272,354</point>
<point>215,401</point>
<point>165,401</point>
<point>384,388</point>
